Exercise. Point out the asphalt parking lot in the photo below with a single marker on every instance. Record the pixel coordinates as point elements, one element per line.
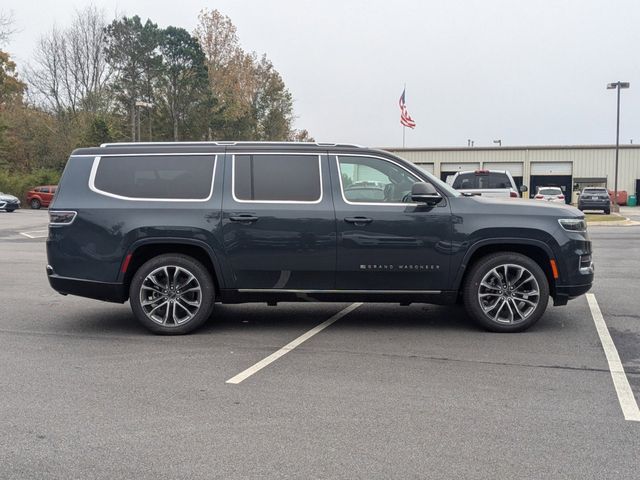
<point>384,392</point>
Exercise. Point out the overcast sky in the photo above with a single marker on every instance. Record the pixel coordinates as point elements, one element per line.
<point>527,72</point>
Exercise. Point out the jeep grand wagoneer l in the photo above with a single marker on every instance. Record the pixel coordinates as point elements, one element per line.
<point>176,227</point>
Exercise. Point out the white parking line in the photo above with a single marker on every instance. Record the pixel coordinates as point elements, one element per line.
<point>291,345</point>
<point>620,382</point>
<point>35,234</point>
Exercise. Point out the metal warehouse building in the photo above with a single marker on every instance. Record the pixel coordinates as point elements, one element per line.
<point>569,167</point>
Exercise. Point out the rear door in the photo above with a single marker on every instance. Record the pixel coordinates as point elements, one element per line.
<point>279,228</point>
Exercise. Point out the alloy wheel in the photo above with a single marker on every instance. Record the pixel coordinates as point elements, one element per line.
<point>170,296</point>
<point>509,294</point>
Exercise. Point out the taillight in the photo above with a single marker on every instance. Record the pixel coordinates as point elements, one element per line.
<point>62,217</point>
<point>513,194</point>
<point>539,197</point>
<point>561,197</point>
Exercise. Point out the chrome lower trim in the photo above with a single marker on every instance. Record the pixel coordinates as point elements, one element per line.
<point>284,290</point>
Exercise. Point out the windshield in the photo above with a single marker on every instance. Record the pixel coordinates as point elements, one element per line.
<point>442,185</point>
<point>438,183</point>
<point>473,180</point>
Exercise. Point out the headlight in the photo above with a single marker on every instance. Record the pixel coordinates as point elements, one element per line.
<point>573,224</point>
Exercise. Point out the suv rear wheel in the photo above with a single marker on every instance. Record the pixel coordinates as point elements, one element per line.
<point>172,294</point>
<point>35,204</point>
<point>506,292</point>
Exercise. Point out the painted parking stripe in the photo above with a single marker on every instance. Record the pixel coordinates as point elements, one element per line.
<point>621,383</point>
<point>291,345</point>
<point>35,234</point>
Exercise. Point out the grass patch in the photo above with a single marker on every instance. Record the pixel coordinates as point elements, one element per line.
<point>595,217</point>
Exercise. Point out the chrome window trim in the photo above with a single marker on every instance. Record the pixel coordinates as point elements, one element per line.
<point>285,290</point>
<point>286,202</point>
<point>96,163</point>
<point>383,204</point>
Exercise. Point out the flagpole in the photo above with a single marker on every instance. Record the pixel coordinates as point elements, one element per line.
<point>404,127</point>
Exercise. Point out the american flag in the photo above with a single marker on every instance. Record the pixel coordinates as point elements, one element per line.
<point>405,118</point>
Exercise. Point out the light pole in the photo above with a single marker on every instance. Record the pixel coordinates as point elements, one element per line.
<point>617,86</point>
<point>148,105</point>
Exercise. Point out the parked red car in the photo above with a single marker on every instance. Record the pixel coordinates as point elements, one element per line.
<point>41,196</point>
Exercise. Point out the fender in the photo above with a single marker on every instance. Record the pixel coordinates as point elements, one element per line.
<point>497,241</point>
<point>180,241</point>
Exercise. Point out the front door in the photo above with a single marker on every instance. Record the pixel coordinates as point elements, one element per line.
<point>385,242</point>
<point>278,221</point>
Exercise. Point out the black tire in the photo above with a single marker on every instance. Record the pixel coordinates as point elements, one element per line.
<point>35,204</point>
<point>607,211</point>
<point>175,263</point>
<point>10,210</point>
<point>472,290</point>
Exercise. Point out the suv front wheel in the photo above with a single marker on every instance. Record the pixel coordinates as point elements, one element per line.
<point>172,294</point>
<point>506,292</point>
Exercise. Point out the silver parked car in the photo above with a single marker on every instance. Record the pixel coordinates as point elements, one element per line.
<point>8,203</point>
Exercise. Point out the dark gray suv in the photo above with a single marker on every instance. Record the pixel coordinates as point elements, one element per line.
<point>175,228</point>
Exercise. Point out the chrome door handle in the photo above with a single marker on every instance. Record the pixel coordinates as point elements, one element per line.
<point>358,220</point>
<point>243,218</point>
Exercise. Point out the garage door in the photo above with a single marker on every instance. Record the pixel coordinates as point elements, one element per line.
<point>427,167</point>
<point>551,168</point>
<point>514,167</point>
<point>459,167</point>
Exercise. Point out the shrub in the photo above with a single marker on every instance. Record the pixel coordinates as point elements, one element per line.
<point>18,184</point>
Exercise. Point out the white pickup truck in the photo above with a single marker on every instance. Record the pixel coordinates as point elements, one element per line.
<point>487,183</point>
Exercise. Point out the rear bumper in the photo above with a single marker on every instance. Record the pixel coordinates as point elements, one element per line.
<point>596,205</point>
<point>564,293</point>
<point>108,292</point>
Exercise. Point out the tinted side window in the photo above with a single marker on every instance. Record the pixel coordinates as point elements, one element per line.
<point>44,190</point>
<point>277,178</point>
<point>156,176</point>
<point>373,180</point>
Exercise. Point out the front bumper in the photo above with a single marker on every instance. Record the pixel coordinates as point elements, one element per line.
<point>9,205</point>
<point>108,292</point>
<point>564,293</point>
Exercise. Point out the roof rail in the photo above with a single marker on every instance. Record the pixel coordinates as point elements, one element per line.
<point>222,143</point>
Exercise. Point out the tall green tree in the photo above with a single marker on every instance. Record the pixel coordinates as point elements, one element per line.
<point>132,51</point>
<point>253,101</point>
<point>182,91</point>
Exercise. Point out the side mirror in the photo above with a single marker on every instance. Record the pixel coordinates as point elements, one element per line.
<point>523,188</point>
<point>423,192</point>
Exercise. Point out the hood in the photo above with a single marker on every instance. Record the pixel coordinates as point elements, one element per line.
<point>5,197</point>
<point>515,205</point>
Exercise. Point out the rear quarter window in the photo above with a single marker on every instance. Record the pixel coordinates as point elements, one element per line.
<point>277,178</point>
<point>154,177</point>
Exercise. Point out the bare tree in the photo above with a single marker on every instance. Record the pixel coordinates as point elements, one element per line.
<point>6,26</point>
<point>70,72</point>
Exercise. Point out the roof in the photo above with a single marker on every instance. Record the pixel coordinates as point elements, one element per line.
<point>521,147</point>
